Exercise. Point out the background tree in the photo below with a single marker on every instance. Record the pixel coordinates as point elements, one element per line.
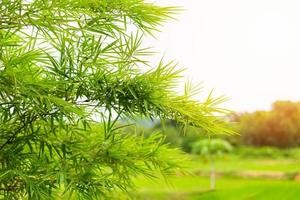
<point>176,134</point>
<point>211,149</point>
<point>277,127</point>
<point>69,71</point>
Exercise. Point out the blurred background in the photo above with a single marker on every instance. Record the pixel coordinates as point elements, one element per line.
<point>248,51</point>
<point>262,161</point>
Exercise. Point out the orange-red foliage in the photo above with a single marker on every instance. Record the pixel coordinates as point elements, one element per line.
<point>278,127</point>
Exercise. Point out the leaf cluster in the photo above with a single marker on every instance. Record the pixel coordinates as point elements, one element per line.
<point>69,71</point>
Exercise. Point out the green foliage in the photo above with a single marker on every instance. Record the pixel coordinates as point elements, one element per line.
<point>278,127</point>
<point>178,135</point>
<point>69,71</point>
<point>207,147</point>
<point>267,152</point>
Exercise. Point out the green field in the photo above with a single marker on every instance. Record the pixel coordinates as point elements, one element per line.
<point>227,188</point>
<point>236,163</point>
<point>229,185</point>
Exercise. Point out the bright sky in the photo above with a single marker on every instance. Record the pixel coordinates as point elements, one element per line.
<point>246,50</point>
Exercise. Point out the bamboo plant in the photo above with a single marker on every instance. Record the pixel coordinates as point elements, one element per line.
<point>69,71</point>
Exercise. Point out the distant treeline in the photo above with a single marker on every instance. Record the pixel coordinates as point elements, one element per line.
<point>278,127</point>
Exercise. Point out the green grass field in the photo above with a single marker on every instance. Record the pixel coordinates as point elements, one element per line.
<point>227,188</point>
<point>236,163</point>
<point>192,187</point>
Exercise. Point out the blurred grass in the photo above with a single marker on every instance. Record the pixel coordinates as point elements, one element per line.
<point>192,187</point>
<point>254,190</point>
<point>228,188</point>
<point>232,163</point>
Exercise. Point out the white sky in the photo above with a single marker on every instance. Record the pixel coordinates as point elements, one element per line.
<point>248,50</point>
